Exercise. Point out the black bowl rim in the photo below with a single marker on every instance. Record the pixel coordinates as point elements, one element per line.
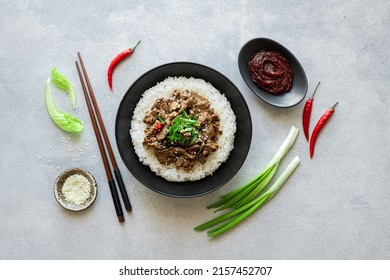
<point>232,174</point>
<point>252,86</point>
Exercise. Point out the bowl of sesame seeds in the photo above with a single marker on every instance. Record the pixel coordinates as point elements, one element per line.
<point>75,189</point>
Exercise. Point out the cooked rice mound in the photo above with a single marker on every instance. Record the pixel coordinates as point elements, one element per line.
<point>165,90</point>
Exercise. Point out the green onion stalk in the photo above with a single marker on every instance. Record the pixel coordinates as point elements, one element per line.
<point>248,198</point>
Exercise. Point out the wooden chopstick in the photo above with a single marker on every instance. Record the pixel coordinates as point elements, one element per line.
<point>117,172</point>
<point>111,182</point>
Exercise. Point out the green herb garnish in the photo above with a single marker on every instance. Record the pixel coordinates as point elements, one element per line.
<point>184,130</point>
<point>160,118</point>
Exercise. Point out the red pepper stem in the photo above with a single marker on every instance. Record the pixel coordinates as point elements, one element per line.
<point>334,106</point>
<point>133,49</point>
<point>315,89</point>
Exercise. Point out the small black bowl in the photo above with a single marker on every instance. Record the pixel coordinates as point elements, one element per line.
<point>299,86</point>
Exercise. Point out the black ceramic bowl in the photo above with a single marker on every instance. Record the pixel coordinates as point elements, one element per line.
<point>143,173</point>
<point>299,85</point>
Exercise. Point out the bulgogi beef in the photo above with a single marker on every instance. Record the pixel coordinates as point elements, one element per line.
<point>183,130</point>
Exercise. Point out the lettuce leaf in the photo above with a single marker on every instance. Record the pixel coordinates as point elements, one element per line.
<point>63,120</point>
<point>60,81</point>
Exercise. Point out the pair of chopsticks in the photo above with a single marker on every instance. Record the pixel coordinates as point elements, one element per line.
<point>94,114</point>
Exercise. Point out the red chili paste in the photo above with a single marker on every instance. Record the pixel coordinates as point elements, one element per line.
<point>270,71</point>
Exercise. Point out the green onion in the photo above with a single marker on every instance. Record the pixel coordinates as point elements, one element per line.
<point>160,118</point>
<point>249,197</point>
<point>183,124</point>
<point>63,120</point>
<point>241,213</point>
<point>250,190</point>
<point>60,81</point>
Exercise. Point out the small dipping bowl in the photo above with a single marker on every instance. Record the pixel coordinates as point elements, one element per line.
<point>59,184</point>
<point>299,84</point>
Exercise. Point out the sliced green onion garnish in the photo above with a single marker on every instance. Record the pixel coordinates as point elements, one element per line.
<point>161,119</point>
<point>183,124</point>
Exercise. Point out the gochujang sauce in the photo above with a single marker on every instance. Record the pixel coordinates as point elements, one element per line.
<point>271,71</point>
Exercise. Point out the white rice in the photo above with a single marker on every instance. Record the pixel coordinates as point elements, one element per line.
<point>220,105</point>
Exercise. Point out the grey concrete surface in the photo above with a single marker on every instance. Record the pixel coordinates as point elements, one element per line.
<point>335,206</point>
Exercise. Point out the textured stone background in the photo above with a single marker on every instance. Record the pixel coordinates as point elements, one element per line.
<point>335,206</point>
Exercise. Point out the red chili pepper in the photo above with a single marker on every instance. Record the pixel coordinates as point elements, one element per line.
<point>116,60</point>
<point>320,124</point>
<point>307,113</point>
<point>158,127</point>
